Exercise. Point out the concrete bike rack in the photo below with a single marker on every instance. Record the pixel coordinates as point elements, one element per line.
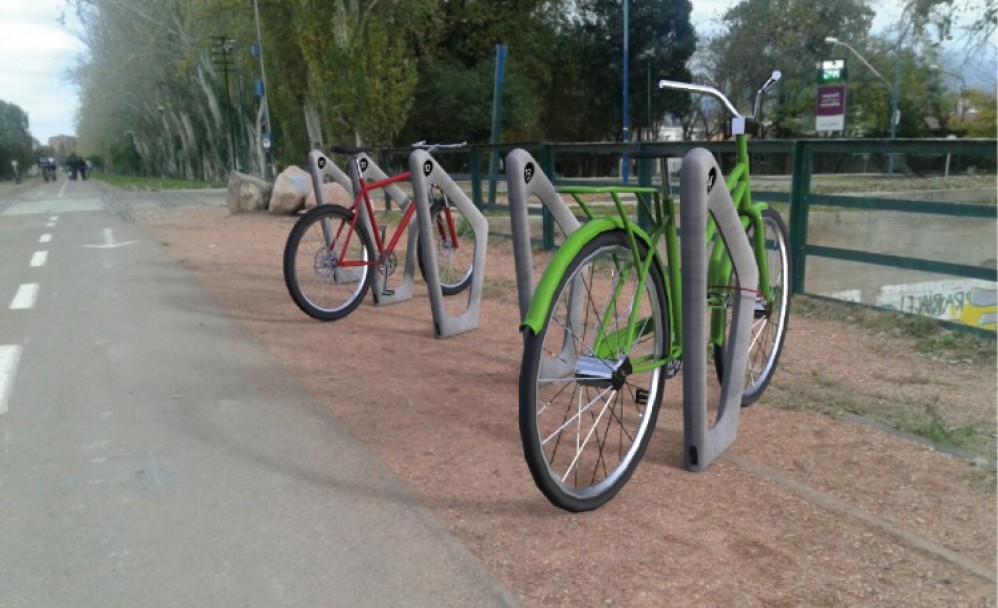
<point>702,190</point>
<point>426,171</point>
<point>523,179</point>
<point>321,166</point>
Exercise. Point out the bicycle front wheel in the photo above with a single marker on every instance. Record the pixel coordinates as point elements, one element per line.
<point>454,242</point>
<point>592,380</point>
<point>327,263</point>
<point>772,312</point>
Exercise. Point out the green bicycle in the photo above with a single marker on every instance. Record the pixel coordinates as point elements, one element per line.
<point>603,332</point>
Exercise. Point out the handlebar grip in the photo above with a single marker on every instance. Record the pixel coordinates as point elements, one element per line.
<point>772,80</point>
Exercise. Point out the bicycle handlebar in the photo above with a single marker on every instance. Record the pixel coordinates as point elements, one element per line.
<point>712,92</point>
<point>422,145</point>
<point>699,88</point>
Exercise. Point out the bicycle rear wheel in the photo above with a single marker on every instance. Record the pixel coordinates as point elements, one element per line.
<point>769,323</point>
<point>589,387</point>
<point>325,280</point>
<point>455,248</point>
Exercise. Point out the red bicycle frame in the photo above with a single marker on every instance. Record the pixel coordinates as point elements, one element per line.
<point>384,252</point>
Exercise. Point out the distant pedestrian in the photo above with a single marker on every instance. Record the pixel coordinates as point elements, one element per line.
<point>74,165</point>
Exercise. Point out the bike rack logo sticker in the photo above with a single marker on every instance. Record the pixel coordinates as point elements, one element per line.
<point>363,164</point>
<point>322,162</point>
<point>528,172</point>
<point>711,179</point>
<point>427,168</point>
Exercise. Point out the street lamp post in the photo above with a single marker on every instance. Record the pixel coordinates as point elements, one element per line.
<point>895,115</point>
<point>647,55</point>
<point>648,94</point>
<point>625,164</point>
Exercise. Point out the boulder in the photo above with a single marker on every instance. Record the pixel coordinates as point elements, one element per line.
<point>333,193</point>
<point>246,193</point>
<point>290,189</point>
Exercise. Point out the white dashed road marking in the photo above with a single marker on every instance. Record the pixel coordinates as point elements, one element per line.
<point>25,298</point>
<point>45,238</point>
<point>39,258</point>
<point>10,354</point>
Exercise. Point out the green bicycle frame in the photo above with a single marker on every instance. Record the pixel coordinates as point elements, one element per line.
<point>719,269</point>
<point>662,214</point>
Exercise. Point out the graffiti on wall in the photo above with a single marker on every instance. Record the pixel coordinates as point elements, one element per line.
<point>967,301</point>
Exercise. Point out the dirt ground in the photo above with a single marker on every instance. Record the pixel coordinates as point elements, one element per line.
<point>805,510</point>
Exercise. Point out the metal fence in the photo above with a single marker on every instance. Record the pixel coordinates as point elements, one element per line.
<point>914,241</point>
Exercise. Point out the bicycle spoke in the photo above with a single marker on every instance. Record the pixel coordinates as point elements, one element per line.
<point>585,442</point>
<point>576,416</point>
<point>589,412</point>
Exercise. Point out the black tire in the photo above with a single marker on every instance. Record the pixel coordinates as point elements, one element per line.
<point>317,283</point>
<point>769,325</point>
<point>454,264</point>
<point>552,386</point>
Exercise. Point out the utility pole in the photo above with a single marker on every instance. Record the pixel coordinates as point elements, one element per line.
<point>220,51</point>
<point>262,91</point>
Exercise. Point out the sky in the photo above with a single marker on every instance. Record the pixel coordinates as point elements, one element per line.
<point>36,51</point>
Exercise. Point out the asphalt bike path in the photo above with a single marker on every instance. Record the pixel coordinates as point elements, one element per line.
<point>154,454</point>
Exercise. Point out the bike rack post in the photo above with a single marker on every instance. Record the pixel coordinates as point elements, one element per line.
<point>426,171</point>
<point>321,166</point>
<point>523,179</point>
<point>702,190</point>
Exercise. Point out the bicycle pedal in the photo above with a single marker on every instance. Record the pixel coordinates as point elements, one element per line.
<point>387,292</point>
<point>641,396</point>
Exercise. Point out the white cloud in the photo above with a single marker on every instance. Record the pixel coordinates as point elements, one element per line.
<point>36,52</point>
<point>707,12</point>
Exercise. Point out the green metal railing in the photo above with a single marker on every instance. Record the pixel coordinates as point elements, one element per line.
<point>798,162</point>
<point>803,199</point>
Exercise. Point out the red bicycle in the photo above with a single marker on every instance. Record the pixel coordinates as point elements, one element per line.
<point>330,254</point>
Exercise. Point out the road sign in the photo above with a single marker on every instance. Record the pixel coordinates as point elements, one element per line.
<point>830,113</point>
<point>832,72</point>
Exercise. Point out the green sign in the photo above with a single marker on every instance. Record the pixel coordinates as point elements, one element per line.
<point>831,72</point>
